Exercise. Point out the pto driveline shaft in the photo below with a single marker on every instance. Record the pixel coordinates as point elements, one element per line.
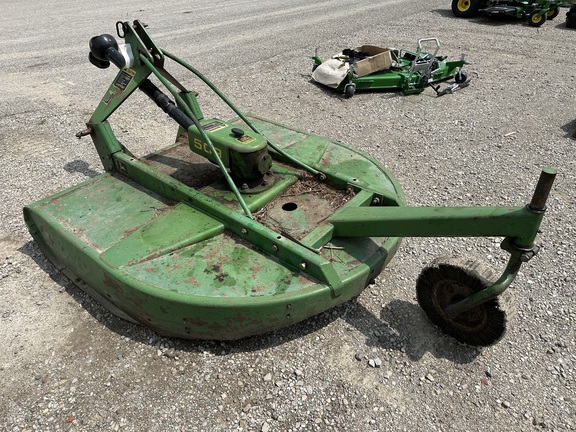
<point>164,102</point>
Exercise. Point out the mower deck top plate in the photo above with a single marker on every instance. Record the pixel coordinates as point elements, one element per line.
<point>183,272</point>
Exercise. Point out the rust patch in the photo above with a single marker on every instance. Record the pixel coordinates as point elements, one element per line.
<point>220,277</point>
<point>148,270</point>
<point>157,212</point>
<point>310,185</point>
<point>257,269</point>
<point>303,279</point>
<point>287,280</point>
<point>326,158</point>
<point>57,201</point>
<point>216,270</point>
<point>135,301</point>
<point>195,321</point>
<point>331,200</point>
<point>192,281</point>
<point>112,283</point>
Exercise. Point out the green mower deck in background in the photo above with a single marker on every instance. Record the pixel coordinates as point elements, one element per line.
<point>408,71</point>
<point>536,11</point>
<point>244,226</point>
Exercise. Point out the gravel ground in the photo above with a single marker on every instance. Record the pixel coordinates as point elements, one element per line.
<point>372,364</point>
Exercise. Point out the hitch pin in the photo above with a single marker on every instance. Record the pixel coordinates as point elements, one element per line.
<point>84,132</point>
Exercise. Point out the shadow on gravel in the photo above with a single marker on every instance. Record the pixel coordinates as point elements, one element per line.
<point>329,92</point>
<point>32,250</point>
<point>562,26</point>
<point>384,93</point>
<point>484,20</point>
<point>339,96</point>
<point>570,128</point>
<point>445,13</point>
<point>67,285</point>
<point>402,326</point>
<point>146,336</point>
<point>79,166</point>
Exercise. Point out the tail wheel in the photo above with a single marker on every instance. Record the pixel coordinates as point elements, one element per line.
<point>349,90</point>
<point>536,20</point>
<point>465,8</point>
<point>553,13</point>
<point>449,280</point>
<point>461,76</point>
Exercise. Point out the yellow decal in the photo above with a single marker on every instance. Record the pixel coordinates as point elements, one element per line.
<point>245,139</point>
<point>203,147</point>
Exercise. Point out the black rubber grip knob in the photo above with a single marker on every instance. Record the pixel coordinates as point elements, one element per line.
<point>104,49</point>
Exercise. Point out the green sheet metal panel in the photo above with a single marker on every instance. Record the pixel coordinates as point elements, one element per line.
<point>179,271</point>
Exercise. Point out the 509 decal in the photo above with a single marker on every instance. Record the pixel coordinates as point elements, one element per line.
<point>203,147</point>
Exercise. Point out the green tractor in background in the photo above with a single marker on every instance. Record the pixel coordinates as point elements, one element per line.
<point>537,11</point>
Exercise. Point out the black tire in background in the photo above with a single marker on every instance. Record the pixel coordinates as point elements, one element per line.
<point>461,76</point>
<point>553,13</point>
<point>535,20</point>
<point>465,8</point>
<point>571,17</point>
<point>349,90</point>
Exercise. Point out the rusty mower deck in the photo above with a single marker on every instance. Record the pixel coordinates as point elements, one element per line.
<point>244,226</point>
